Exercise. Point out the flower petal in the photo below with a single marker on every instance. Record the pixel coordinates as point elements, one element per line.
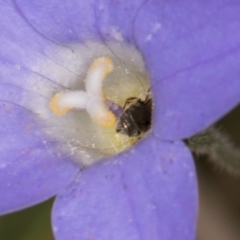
<point>31,171</point>
<point>147,193</point>
<point>192,55</point>
<point>31,168</point>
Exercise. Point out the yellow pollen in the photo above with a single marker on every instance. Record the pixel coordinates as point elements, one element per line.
<point>100,61</point>
<point>54,106</point>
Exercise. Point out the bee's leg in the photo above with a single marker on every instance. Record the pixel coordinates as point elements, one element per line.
<point>148,95</point>
<point>128,101</point>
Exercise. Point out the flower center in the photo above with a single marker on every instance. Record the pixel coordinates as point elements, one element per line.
<point>102,105</point>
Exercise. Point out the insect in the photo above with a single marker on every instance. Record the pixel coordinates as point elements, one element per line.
<point>136,116</point>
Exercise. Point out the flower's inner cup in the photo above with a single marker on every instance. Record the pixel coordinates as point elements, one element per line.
<point>107,108</point>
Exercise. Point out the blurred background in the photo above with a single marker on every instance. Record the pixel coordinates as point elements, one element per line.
<point>219,215</point>
<point>31,224</point>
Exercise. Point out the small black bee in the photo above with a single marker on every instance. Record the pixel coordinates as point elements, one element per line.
<point>136,117</point>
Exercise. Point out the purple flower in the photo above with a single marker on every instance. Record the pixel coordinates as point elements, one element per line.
<point>192,53</point>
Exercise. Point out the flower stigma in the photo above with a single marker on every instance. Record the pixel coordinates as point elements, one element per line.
<point>92,99</point>
<point>93,91</point>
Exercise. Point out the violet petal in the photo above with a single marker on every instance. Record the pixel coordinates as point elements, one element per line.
<point>31,171</point>
<point>145,194</point>
<point>31,168</point>
<point>194,62</point>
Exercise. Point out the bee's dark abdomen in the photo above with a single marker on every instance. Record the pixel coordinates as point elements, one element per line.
<point>136,119</point>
